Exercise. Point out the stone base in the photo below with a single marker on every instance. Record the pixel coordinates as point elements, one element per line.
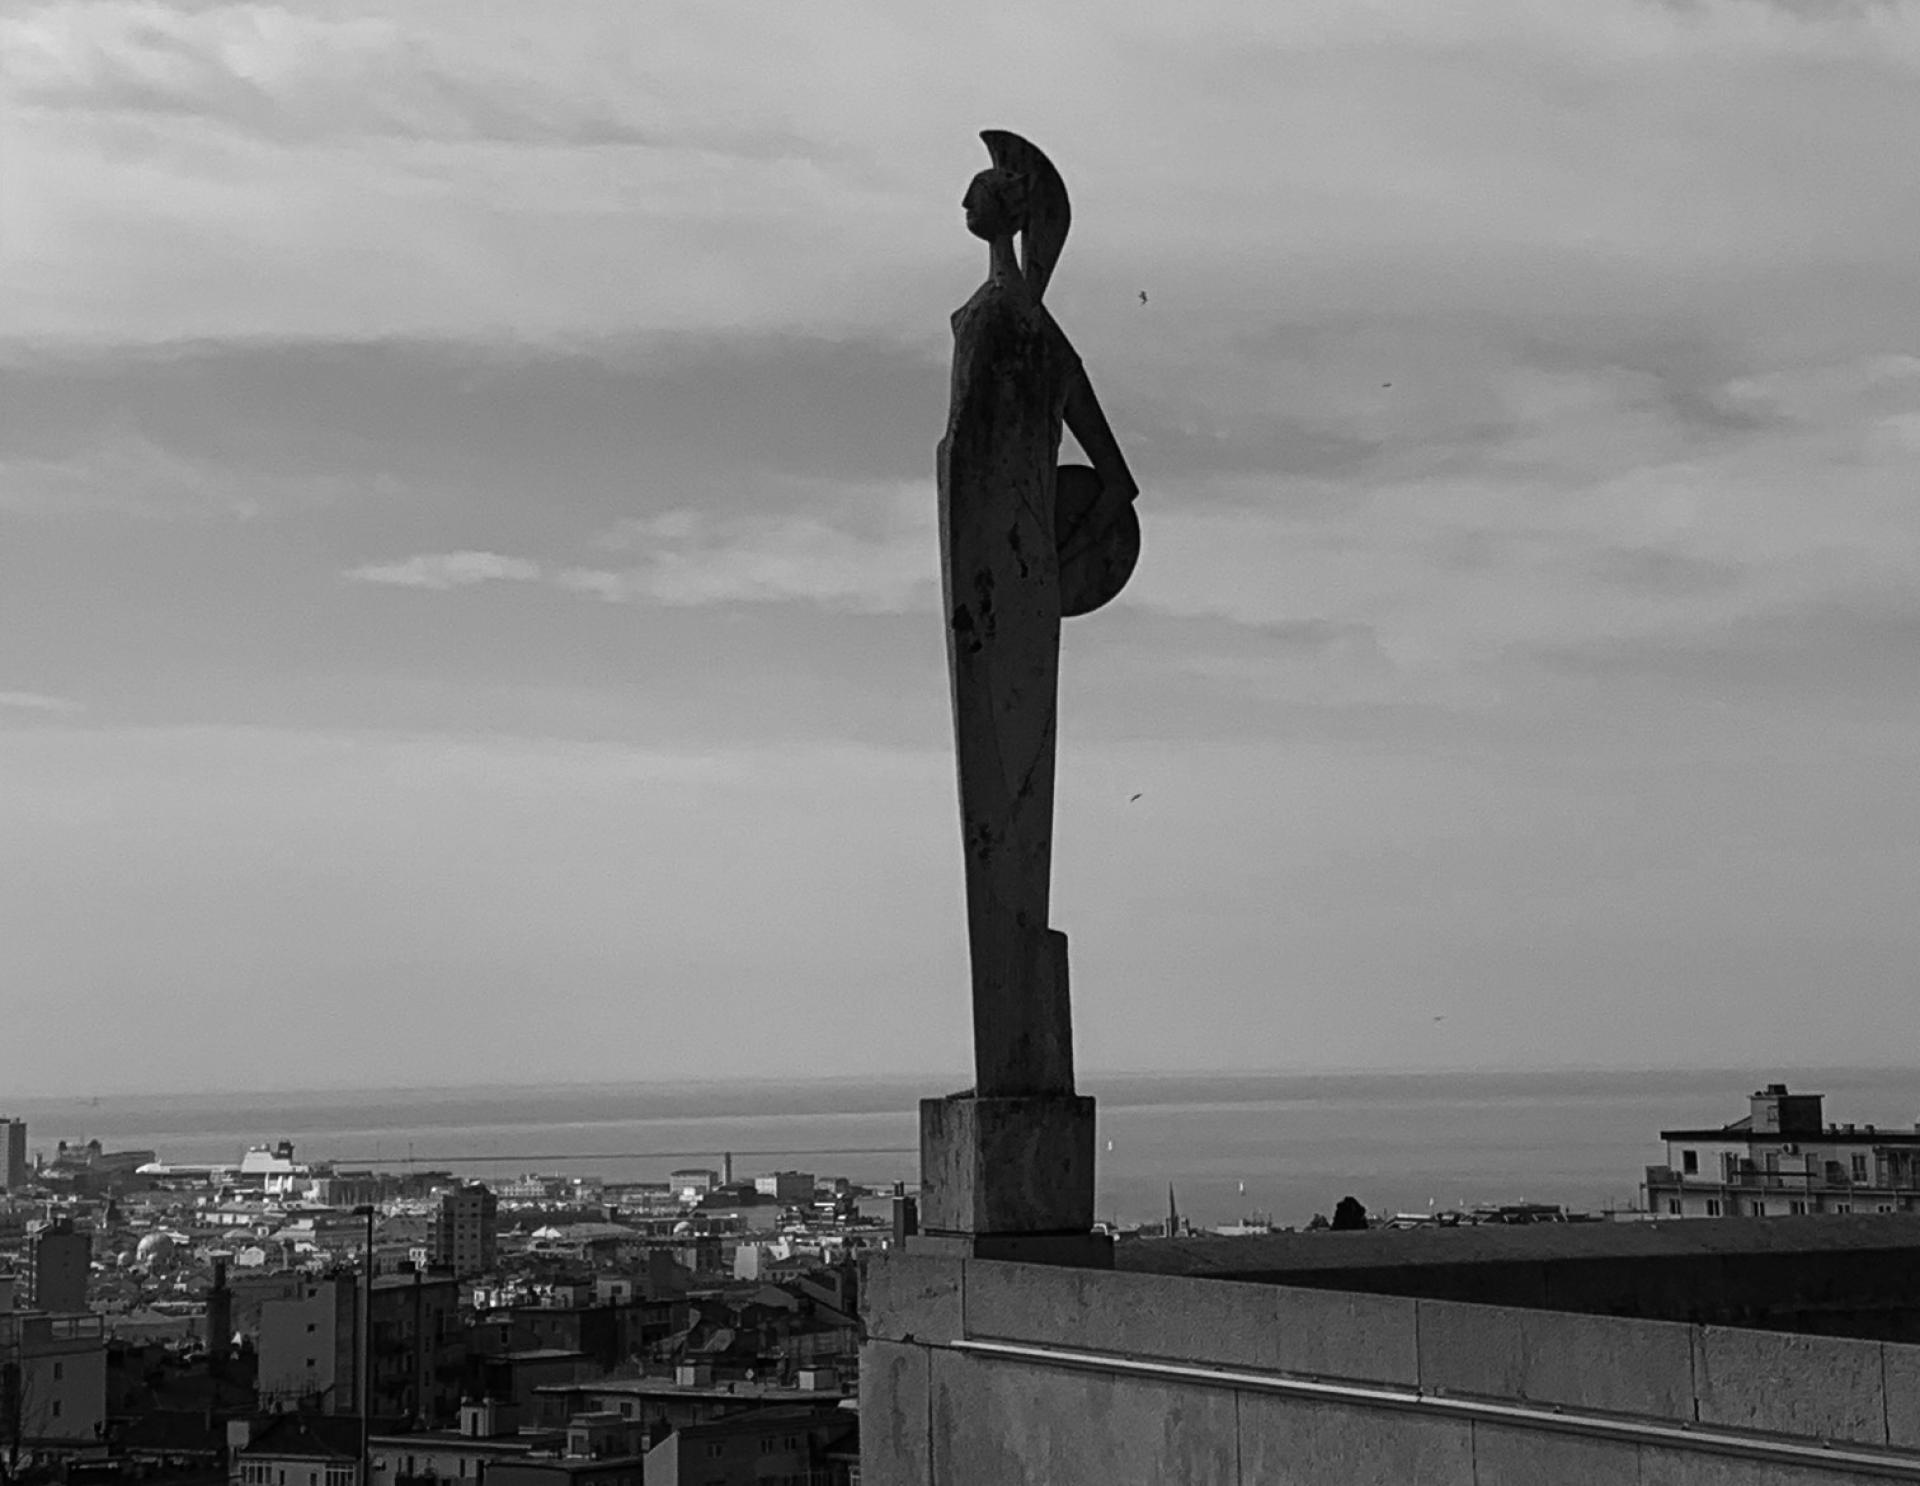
<point>1069,1250</point>
<point>1007,1165</point>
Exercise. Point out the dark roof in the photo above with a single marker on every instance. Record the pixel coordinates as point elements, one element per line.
<point>1858,1135</point>
<point>311,1436</point>
<point>1492,1243</point>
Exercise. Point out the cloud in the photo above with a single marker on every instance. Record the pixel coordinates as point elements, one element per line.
<point>35,701</point>
<point>877,554</point>
<point>445,570</point>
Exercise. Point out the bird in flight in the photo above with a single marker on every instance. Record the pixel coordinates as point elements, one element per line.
<point>1143,296</point>
<point>1132,798</point>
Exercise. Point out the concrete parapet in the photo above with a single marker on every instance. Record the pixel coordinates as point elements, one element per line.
<point>1527,1457</point>
<point>1609,1364</point>
<point>894,1444</point>
<point>1224,1324</point>
<point>1818,1387</point>
<point>1331,1334</point>
<point>1012,1425</point>
<point>909,1297</point>
<point>1901,1378</point>
<point>1329,1444</point>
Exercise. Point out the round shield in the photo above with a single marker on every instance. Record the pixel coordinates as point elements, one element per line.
<point>1095,561</point>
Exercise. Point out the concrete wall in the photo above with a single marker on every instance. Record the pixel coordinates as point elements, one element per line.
<point>1441,1381</point>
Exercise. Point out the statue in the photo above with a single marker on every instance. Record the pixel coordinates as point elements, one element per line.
<point>1022,544</point>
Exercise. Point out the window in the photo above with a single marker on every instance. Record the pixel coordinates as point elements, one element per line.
<point>1859,1168</point>
<point>1843,1207</point>
<point>311,1328</point>
<point>56,1408</point>
<point>1690,1162</point>
<point>1673,1206</point>
<point>715,1449</point>
<point>1759,1208</point>
<point>59,1371</point>
<point>1713,1207</point>
<point>1797,1207</point>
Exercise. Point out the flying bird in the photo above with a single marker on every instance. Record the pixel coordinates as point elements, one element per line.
<point>1132,798</point>
<point>1143,296</point>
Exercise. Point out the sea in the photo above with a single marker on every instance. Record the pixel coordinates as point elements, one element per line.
<point>1222,1147</point>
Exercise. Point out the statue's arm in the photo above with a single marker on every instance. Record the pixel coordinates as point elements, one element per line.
<point>1088,424</point>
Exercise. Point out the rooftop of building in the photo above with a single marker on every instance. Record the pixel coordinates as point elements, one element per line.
<point>1257,1256</point>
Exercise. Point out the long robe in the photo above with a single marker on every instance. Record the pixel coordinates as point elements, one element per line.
<point>1012,368</point>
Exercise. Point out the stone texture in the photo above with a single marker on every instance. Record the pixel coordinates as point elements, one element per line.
<point>1213,1322</point>
<point>895,1444</point>
<point>997,1423</point>
<point>1608,1364</point>
<point>906,1296</point>
<point>1817,1387</point>
<point>1901,1370</point>
<point>1474,1350</point>
<point>1660,1467</point>
<point>1533,1457</point>
<point>1017,1165</point>
<point>1294,1442</point>
<point>1335,1334</point>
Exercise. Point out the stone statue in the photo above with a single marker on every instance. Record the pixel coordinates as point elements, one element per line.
<point>1022,544</point>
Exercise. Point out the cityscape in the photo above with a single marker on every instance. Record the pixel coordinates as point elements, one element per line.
<point>203,1322</point>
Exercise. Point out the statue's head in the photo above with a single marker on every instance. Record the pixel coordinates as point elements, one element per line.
<point>1022,193</point>
<point>996,203</point>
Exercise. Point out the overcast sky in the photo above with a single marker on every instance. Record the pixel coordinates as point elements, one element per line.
<point>468,573</point>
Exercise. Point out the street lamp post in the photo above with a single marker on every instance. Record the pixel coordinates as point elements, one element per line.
<point>366,1210</point>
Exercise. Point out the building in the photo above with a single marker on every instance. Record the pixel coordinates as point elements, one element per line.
<point>59,1260</point>
<point>53,1385</point>
<point>691,1183</point>
<point>785,1186</point>
<point>466,1231</point>
<point>1781,1160</point>
<point>758,1446</point>
<point>13,1155</point>
<point>309,1347</point>
<point>297,1450</point>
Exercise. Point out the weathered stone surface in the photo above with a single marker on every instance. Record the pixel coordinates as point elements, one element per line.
<point>1609,1364</point>
<point>997,1423</point>
<point>1206,1321</point>
<point>1475,1350</point>
<point>895,1445</point>
<point>1016,1165</point>
<point>1697,1468</point>
<point>1533,1457</point>
<point>1016,381</point>
<point>909,1296</point>
<point>1335,1334</point>
<point>1818,1387</point>
<point>1302,1443</point>
<point>1901,1369</point>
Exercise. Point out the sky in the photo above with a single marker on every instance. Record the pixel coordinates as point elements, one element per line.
<point>468,577</point>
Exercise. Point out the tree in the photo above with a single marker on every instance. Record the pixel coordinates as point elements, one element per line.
<point>1349,1214</point>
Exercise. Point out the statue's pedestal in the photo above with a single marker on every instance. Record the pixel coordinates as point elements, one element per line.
<point>1009,1177</point>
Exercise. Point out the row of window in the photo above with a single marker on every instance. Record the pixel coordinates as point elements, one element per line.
<point>1757,1208</point>
<point>1690,1165</point>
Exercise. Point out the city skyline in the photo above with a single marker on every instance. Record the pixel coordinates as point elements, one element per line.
<point>468,577</point>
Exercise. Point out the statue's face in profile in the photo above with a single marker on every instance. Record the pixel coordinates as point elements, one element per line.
<point>995,204</point>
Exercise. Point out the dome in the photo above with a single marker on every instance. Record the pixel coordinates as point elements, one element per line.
<point>155,1248</point>
<point>683,1226</point>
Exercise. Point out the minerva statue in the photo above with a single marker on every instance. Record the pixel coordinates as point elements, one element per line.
<point>1023,542</point>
